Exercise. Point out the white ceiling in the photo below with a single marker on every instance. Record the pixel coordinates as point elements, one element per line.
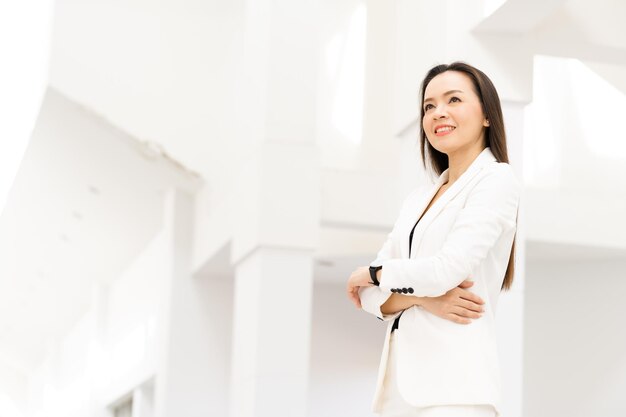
<point>580,28</point>
<point>86,200</point>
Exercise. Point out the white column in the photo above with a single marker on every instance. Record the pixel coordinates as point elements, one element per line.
<point>510,316</point>
<point>378,152</point>
<point>278,71</point>
<point>189,377</point>
<point>273,288</point>
<point>143,401</point>
<point>276,210</point>
<point>96,372</point>
<point>275,236</point>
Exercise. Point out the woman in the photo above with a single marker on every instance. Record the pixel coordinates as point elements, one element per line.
<point>449,237</point>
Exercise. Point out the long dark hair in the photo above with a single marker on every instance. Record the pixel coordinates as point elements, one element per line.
<point>495,136</point>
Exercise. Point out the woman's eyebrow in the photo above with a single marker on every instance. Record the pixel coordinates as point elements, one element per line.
<point>445,94</point>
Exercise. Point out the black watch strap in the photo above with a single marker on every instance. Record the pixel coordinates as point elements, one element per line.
<point>373,270</point>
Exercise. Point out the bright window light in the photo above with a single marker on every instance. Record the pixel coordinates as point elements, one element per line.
<point>345,55</point>
<point>490,6</point>
<point>574,112</point>
<point>600,106</point>
<point>542,123</point>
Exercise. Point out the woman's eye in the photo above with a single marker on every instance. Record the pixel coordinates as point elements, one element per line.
<point>455,98</point>
<point>427,107</point>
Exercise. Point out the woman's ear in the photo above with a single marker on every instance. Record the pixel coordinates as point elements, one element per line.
<point>486,123</point>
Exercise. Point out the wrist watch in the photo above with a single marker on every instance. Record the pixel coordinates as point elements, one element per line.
<point>373,270</point>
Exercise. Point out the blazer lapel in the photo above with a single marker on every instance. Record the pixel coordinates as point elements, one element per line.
<point>483,158</point>
<point>417,208</point>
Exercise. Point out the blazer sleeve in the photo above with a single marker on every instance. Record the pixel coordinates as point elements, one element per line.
<point>490,209</point>
<point>373,297</point>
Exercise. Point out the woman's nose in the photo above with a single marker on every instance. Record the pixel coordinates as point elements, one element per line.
<point>439,112</point>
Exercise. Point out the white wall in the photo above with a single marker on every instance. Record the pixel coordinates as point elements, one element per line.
<point>574,342</point>
<point>346,345</point>
<point>133,299</point>
<point>110,350</point>
<point>13,391</point>
<point>165,74</point>
<point>572,157</point>
<point>25,29</point>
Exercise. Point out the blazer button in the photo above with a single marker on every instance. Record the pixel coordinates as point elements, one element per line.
<point>404,290</point>
<point>411,290</point>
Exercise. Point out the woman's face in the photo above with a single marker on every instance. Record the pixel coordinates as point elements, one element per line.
<point>453,116</point>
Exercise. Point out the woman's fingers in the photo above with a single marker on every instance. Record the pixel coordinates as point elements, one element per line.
<point>458,319</point>
<point>470,296</point>
<point>353,295</point>
<point>352,290</point>
<point>464,312</point>
<point>471,305</point>
<point>466,284</point>
<point>360,277</point>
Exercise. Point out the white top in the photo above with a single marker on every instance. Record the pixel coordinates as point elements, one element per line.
<point>467,232</point>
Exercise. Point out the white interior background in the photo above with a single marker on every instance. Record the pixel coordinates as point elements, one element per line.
<point>130,135</point>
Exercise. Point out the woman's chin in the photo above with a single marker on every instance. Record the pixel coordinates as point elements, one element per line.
<point>444,147</point>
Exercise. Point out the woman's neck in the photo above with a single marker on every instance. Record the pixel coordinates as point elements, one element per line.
<point>460,161</point>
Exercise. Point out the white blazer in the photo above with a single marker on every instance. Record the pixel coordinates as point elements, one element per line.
<point>467,232</point>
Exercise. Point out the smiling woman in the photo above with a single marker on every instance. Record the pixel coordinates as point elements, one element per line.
<point>462,107</point>
<point>447,258</point>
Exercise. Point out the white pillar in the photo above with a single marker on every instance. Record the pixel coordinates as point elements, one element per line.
<point>275,235</point>
<point>189,381</point>
<point>96,373</point>
<point>143,401</point>
<point>510,316</point>
<point>276,210</point>
<point>276,93</point>
<point>379,153</point>
<point>273,288</point>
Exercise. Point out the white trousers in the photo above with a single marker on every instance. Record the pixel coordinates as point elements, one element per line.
<point>393,405</point>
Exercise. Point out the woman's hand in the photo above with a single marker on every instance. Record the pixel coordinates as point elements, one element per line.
<point>457,305</point>
<point>360,277</point>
